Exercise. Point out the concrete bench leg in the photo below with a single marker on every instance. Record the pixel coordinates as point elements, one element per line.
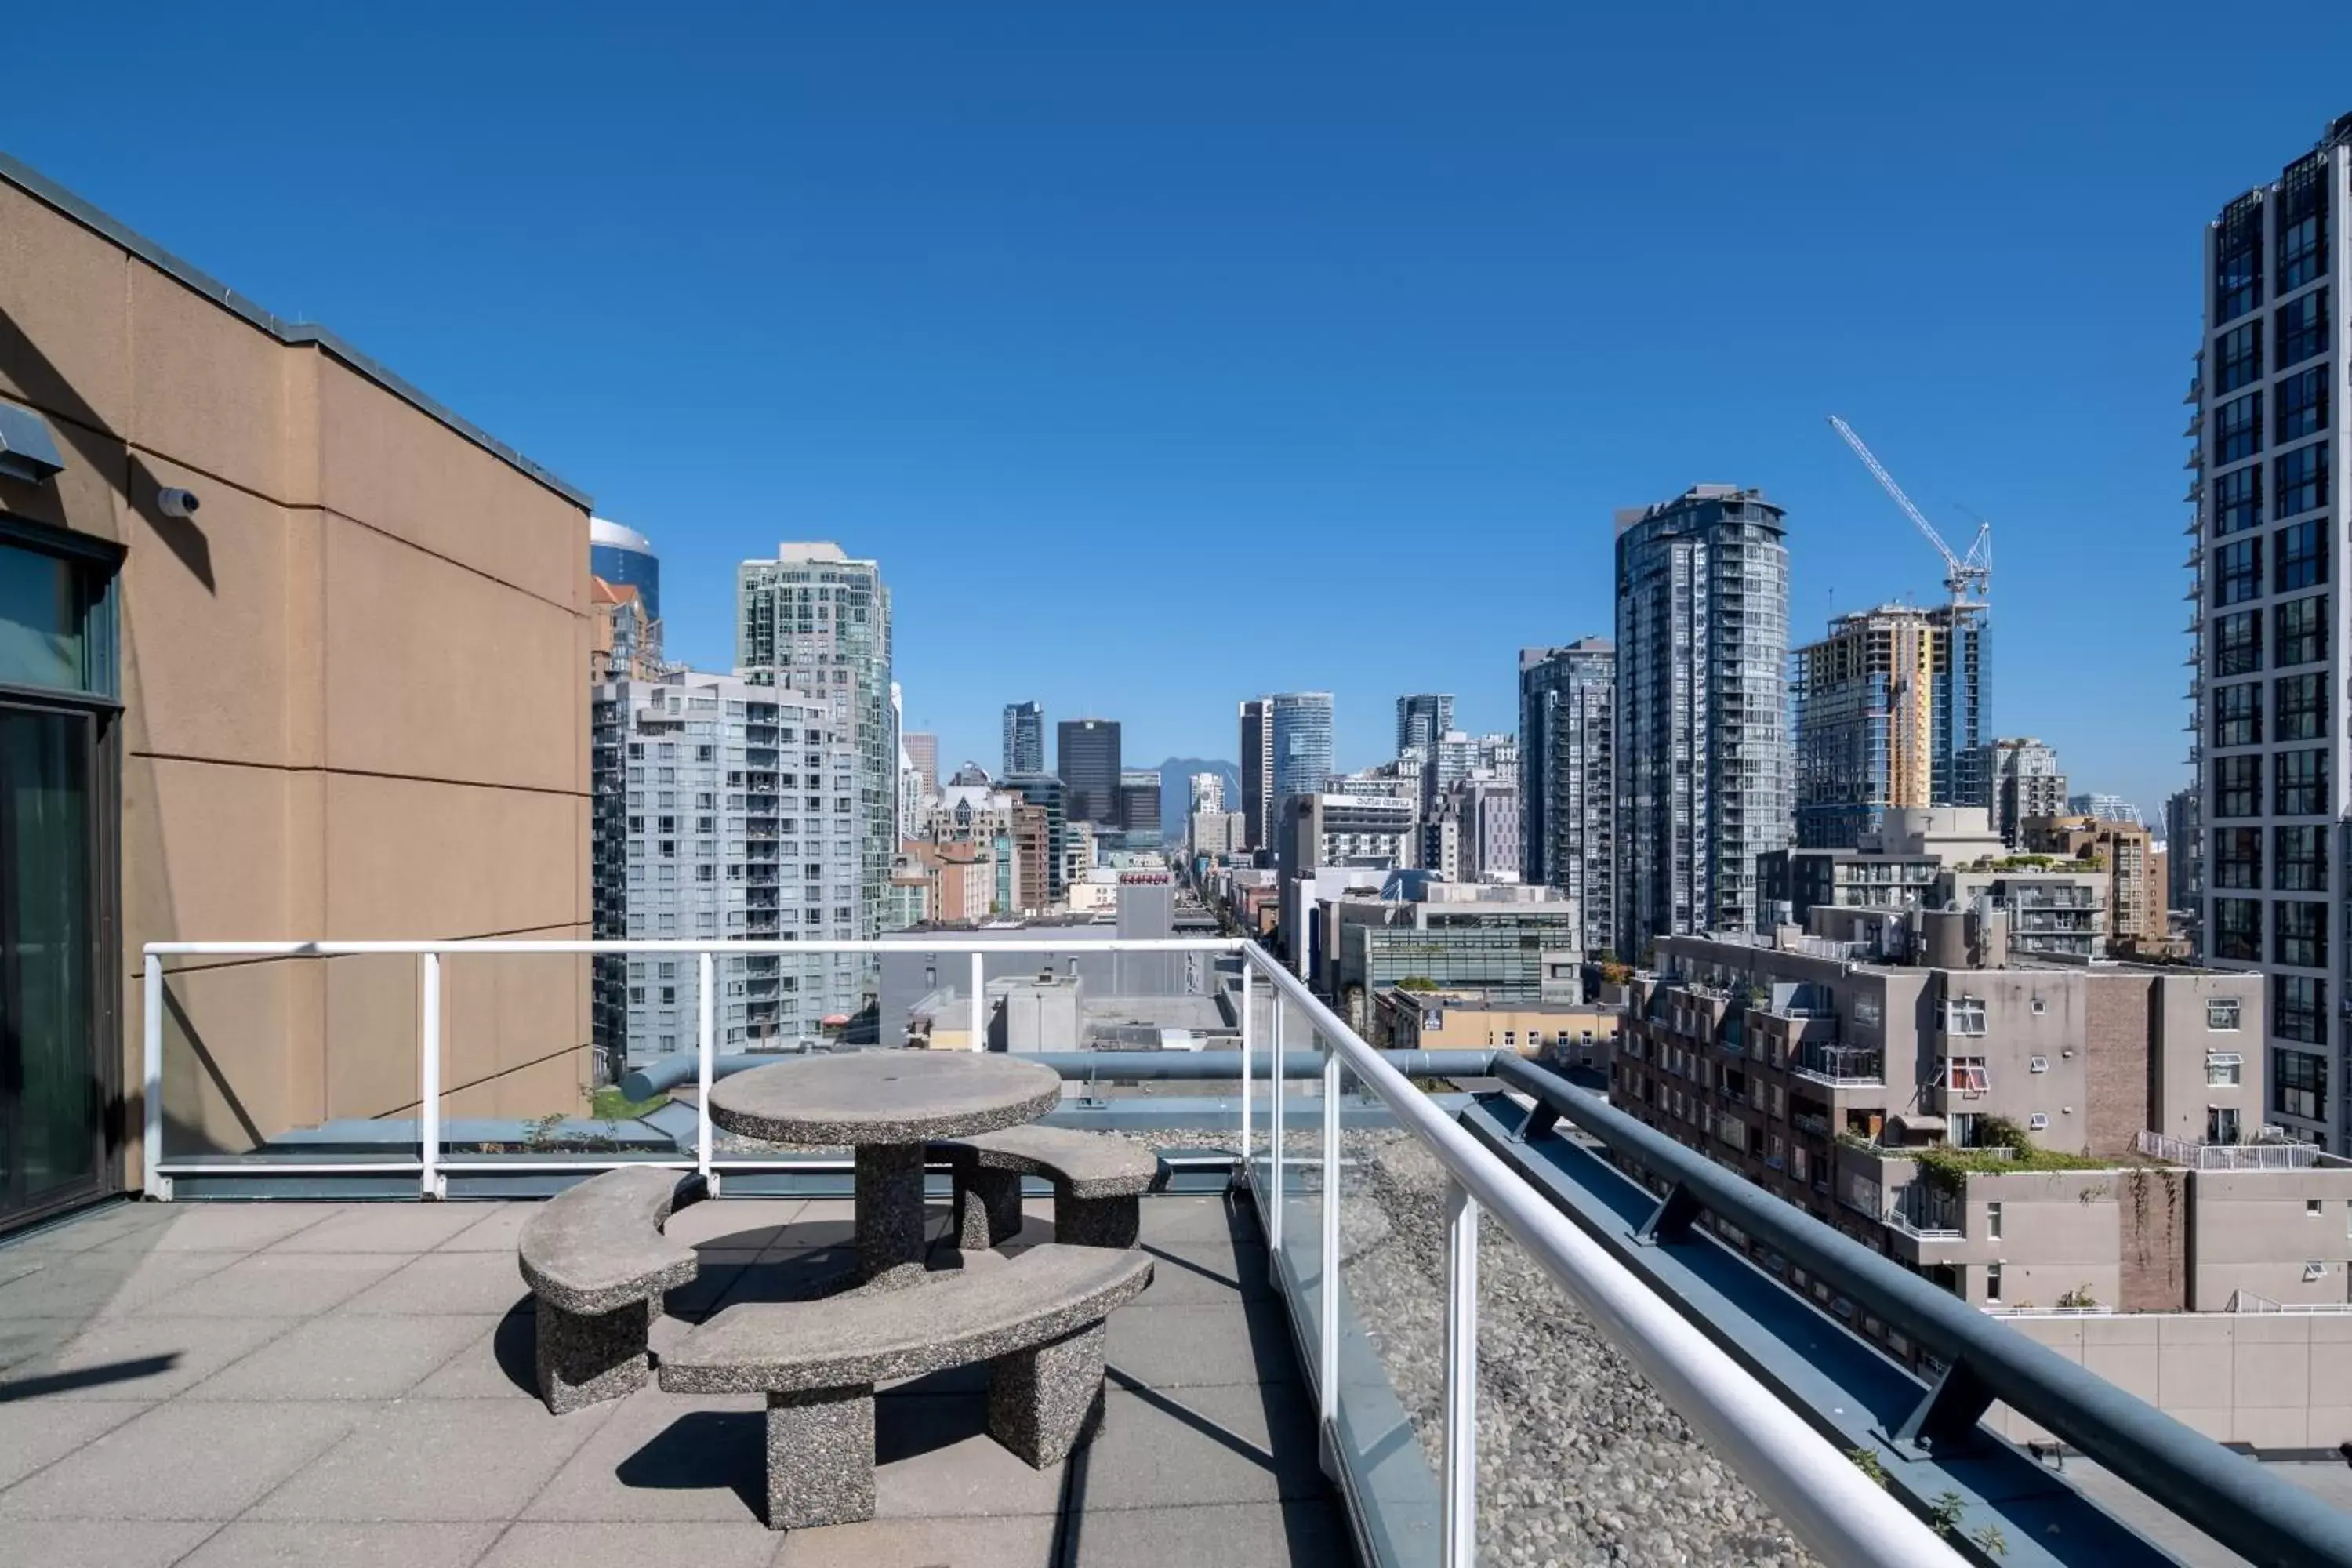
<point>890,1215</point>
<point>820,1456</point>
<point>1097,1222</point>
<point>1044,1402</point>
<point>988,1207</point>
<point>584,1359</point>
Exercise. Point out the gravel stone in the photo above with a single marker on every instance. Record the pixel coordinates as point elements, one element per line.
<point>1580,1460</point>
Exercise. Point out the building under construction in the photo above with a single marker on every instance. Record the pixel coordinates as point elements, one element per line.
<point>1884,705</point>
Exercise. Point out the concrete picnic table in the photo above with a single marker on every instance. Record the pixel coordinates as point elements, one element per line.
<point>885,1106</point>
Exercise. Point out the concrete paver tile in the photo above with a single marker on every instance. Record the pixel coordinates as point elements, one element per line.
<point>341,1356</point>
<point>1182,1347</point>
<point>254,1543</point>
<point>1170,1448</point>
<point>746,1545</point>
<point>101,1543</point>
<point>442,1283</point>
<point>935,1459</point>
<point>1023,1542</point>
<point>229,1227</point>
<point>104,1284</point>
<point>34,1433</point>
<point>723,1221</point>
<point>182,1461</point>
<point>383,1227</point>
<point>451,1459</point>
<point>270,1284</point>
<point>150,1357</point>
<point>666,1457</point>
<point>1228,1535</point>
<point>498,1365</point>
<point>497,1228</point>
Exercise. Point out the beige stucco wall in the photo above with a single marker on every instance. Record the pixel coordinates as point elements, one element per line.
<point>2279,1382</point>
<point>2258,1230</point>
<point>353,691</point>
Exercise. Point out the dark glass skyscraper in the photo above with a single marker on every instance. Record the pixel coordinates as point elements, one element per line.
<point>1024,738</point>
<point>1088,761</point>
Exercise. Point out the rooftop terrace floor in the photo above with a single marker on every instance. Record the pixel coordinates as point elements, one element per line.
<point>351,1384</point>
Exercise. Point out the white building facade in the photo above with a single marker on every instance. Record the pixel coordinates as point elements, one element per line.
<point>727,830</point>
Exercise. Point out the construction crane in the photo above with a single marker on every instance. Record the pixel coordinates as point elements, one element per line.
<point>1969,576</point>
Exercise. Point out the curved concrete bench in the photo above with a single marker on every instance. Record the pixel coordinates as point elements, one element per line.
<point>1097,1181</point>
<point>1039,1318</point>
<point>595,1257</point>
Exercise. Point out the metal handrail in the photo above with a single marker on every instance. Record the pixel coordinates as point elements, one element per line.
<point>1828,1502</point>
<point>2232,1498</point>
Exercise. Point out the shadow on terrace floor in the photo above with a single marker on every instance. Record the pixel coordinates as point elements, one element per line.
<point>245,1383</point>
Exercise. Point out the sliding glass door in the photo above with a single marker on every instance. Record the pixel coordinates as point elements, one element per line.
<point>52,1090</point>
<point>59,1068</point>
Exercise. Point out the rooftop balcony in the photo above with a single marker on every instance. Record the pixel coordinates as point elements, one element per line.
<point>1337,1251</point>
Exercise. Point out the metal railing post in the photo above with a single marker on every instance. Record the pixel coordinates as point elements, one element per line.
<point>979,1007</point>
<point>153,1181</point>
<point>705,1045</point>
<point>1327,1382</point>
<point>428,1074</point>
<point>1248,1029</point>
<point>1273,1137</point>
<point>1460,1547</point>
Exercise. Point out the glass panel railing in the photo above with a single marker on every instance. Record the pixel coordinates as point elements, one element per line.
<point>1300,1241</point>
<point>1390,1307</point>
<point>521,1076</point>
<point>296,1060</point>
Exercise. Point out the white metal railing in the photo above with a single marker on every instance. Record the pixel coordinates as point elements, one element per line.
<point>2269,1154</point>
<point>1824,1499</point>
<point>429,1164</point>
<point>1831,1505</point>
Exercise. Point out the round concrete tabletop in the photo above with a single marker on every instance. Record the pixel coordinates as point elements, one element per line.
<point>884,1097</point>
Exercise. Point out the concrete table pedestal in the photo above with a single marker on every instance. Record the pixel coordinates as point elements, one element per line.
<point>885,1106</point>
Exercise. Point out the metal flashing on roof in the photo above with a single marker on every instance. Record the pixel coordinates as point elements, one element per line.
<point>28,450</point>
<point>294,333</point>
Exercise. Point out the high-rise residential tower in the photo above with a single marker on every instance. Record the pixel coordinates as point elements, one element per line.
<point>1865,702</point>
<point>1024,738</point>
<point>818,623</point>
<point>699,836</point>
<point>1702,754</point>
<point>1302,743</point>
<point>922,749</point>
<point>1421,717</point>
<point>1086,760</point>
<point>1568,778</point>
<point>1258,820</point>
<point>2270,588</point>
<point>2016,778</point>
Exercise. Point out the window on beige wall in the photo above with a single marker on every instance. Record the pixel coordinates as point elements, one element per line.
<point>2224,1069</point>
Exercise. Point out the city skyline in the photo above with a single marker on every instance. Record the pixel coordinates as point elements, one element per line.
<point>1098,389</point>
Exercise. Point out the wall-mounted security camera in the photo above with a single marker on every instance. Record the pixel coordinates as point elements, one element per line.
<point>176,503</point>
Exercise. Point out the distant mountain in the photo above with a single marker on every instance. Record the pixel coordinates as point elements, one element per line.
<point>1176,791</point>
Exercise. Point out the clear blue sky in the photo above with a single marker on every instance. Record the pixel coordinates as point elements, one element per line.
<point>1167,358</point>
